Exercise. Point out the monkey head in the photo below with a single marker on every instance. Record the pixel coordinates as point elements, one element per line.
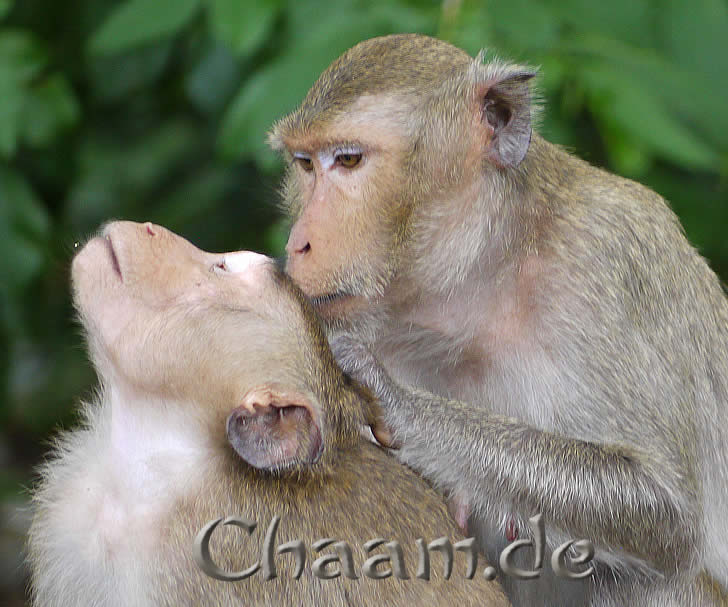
<point>227,335</point>
<point>395,125</point>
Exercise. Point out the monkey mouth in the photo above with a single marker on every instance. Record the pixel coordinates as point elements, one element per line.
<point>321,300</point>
<point>337,305</point>
<point>114,258</point>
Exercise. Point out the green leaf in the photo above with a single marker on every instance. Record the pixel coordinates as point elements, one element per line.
<point>695,35</point>
<point>280,85</point>
<point>702,108</point>
<point>5,7</point>
<point>215,78</point>
<point>22,52</point>
<point>51,108</point>
<point>115,175</point>
<point>400,16</point>
<point>628,155</point>
<point>24,231</point>
<point>11,104</point>
<point>21,59</point>
<point>621,101</point>
<point>132,71</point>
<point>276,237</point>
<point>243,24</point>
<point>627,20</point>
<point>468,25</point>
<point>138,22</point>
<point>193,198</point>
<point>522,25</point>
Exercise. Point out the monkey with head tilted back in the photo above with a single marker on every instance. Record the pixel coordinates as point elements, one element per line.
<point>219,397</point>
<point>540,334</point>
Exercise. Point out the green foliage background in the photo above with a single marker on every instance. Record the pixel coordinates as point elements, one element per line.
<point>157,110</point>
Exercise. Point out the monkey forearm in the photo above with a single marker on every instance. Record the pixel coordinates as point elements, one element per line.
<point>605,494</point>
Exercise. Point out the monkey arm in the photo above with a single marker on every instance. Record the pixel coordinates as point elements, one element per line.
<point>608,494</point>
<point>603,493</point>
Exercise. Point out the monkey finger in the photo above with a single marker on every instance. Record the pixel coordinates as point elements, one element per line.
<point>384,435</point>
<point>459,508</point>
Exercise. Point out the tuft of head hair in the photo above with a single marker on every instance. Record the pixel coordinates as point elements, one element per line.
<point>401,63</point>
<point>418,69</point>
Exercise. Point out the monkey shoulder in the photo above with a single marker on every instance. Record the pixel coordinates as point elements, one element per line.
<point>615,256</point>
<point>615,245</point>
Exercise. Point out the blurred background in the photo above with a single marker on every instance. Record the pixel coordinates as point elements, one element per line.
<point>157,110</point>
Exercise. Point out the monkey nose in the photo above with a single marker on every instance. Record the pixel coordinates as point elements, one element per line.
<point>244,261</point>
<point>297,246</point>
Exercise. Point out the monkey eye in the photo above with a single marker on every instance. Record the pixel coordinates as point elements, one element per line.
<point>304,161</point>
<point>347,159</point>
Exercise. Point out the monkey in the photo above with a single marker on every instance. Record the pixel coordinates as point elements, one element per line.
<point>219,397</point>
<point>540,334</point>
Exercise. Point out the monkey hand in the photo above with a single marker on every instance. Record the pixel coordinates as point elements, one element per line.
<point>357,360</point>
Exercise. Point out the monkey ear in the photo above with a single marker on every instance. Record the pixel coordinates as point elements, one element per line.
<point>506,112</point>
<point>275,429</point>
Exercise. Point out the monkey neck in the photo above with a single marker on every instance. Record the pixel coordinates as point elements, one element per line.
<point>480,232</point>
<point>471,272</point>
<point>147,433</point>
<point>126,471</point>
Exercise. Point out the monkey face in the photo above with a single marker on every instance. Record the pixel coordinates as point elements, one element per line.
<point>387,152</point>
<point>344,189</point>
<point>164,317</point>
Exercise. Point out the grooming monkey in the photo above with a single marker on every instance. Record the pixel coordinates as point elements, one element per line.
<point>220,397</point>
<point>541,335</point>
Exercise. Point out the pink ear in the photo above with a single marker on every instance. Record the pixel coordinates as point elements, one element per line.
<point>275,429</point>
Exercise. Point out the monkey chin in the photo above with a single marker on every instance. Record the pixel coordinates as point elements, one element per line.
<point>339,307</point>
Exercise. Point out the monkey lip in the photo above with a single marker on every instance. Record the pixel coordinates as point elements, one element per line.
<point>114,258</point>
<point>335,305</point>
<point>320,300</point>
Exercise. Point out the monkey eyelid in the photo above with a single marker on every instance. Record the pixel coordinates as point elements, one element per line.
<point>341,149</point>
<point>352,149</point>
<point>331,157</point>
<point>304,160</point>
